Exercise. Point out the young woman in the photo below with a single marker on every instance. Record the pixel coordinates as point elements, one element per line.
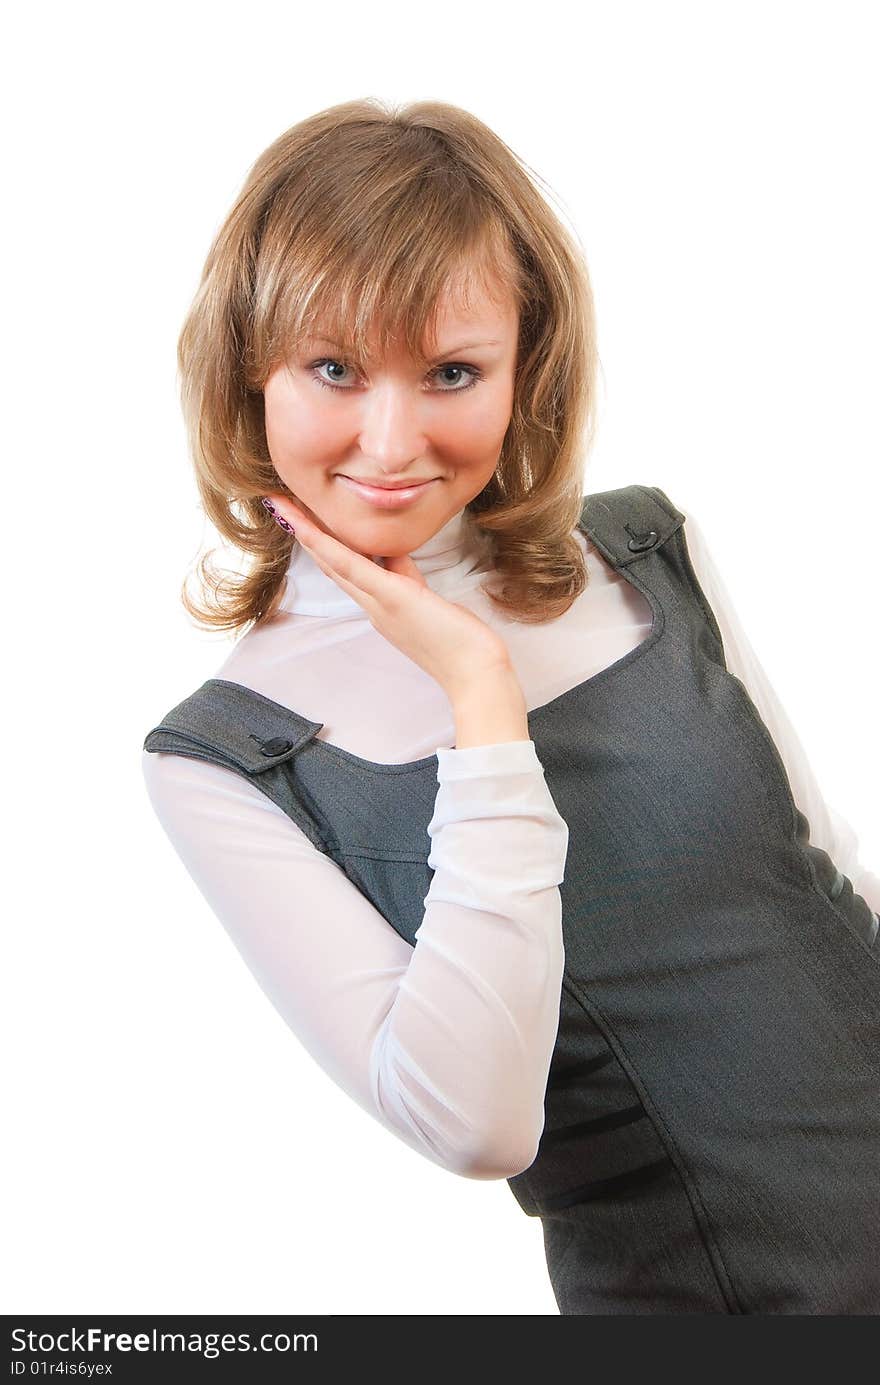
<point>492,794</point>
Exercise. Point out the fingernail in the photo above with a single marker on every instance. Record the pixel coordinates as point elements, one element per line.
<point>279,519</point>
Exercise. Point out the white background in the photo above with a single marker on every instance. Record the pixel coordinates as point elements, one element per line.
<point>171,1148</point>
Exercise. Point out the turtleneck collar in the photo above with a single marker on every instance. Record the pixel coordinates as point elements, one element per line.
<point>446,561</point>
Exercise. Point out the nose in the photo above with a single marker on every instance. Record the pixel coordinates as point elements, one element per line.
<point>392,429</point>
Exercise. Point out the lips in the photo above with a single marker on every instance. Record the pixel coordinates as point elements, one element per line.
<point>386,486</point>
<point>385,497</point>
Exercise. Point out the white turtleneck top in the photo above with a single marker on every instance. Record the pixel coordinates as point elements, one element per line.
<point>448,1044</point>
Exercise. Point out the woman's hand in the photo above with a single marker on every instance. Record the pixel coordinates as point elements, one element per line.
<point>449,642</point>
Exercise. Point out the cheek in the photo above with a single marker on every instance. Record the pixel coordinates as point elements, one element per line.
<point>278,417</point>
<point>481,425</point>
<point>301,426</point>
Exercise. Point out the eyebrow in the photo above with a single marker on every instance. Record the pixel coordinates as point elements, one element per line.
<point>452,351</point>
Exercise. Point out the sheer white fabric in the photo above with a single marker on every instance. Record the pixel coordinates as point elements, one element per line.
<point>447,1044</point>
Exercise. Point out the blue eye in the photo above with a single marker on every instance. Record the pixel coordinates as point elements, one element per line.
<point>472,371</point>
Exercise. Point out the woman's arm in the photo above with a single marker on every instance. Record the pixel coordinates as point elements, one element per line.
<point>828,829</point>
<point>448,1044</point>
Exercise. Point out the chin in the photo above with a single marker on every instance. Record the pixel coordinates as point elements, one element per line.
<point>398,550</point>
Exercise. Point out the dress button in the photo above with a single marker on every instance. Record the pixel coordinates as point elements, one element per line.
<point>639,542</point>
<point>277,746</point>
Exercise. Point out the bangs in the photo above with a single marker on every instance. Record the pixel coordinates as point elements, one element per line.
<point>381,282</point>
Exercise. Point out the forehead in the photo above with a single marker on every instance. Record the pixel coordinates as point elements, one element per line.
<point>476,306</point>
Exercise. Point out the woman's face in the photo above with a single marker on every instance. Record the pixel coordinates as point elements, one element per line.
<point>443,425</point>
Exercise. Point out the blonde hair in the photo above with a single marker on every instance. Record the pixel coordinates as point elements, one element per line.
<point>362,215</point>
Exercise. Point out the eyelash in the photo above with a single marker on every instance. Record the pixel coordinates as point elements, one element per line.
<point>473,371</point>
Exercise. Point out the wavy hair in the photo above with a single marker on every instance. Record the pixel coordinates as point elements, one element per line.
<point>361,216</point>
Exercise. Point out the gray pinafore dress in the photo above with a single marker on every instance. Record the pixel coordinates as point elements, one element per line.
<point>712,1115</point>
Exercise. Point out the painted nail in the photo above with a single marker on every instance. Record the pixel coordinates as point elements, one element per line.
<point>264,500</point>
<point>284,524</point>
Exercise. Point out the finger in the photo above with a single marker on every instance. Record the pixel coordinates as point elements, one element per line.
<point>321,547</point>
<point>406,567</point>
<point>363,576</point>
<point>363,598</point>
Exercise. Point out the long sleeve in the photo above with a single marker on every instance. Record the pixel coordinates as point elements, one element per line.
<point>449,1043</point>
<point>828,828</point>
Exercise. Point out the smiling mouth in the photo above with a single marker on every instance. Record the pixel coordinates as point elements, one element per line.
<point>385,497</point>
<point>383,486</point>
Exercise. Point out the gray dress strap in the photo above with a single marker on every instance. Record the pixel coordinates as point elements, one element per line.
<point>239,729</point>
